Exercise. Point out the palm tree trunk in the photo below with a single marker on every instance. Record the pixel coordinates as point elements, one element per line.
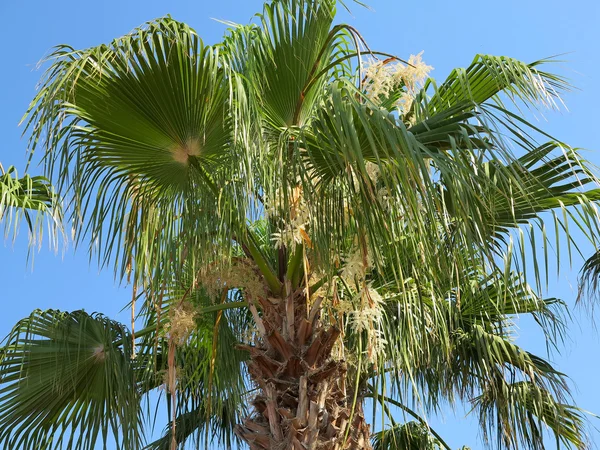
<point>303,402</point>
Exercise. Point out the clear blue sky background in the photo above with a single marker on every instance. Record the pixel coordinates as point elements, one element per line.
<point>450,33</point>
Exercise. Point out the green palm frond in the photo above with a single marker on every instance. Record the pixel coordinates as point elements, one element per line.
<point>295,43</point>
<point>140,131</point>
<point>443,349</point>
<point>190,427</point>
<point>406,436</point>
<point>211,382</point>
<point>487,76</point>
<point>465,116</point>
<point>518,414</point>
<point>541,181</point>
<point>482,345</point>
<point>480,356</point>
<point>163,97</point>
<point>512,193</point>
<point>67,379</point>
<point>440,113</point>
<point>494,299</point>
<point>26,197</point>
<point>589,278</point>
<point>336,157</point>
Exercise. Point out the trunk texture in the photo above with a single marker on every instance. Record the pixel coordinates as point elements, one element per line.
<point>303,403</point>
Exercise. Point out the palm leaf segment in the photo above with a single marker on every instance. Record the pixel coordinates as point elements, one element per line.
<point>191,140</point>
<point>22,196</point>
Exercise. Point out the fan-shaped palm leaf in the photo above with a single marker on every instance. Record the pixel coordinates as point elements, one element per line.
<point>68,380</point>
<point>147,121</point>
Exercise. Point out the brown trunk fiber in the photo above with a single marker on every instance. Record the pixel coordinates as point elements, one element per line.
<point>303,402</point>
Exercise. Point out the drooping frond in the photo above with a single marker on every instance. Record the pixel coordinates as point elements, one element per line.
<point>541,181</point>
<point>191,426</point>
<point>189,349</point>
<point>452,347</point>
<point>210,395</point>
<point>519,178</point>
<point>67,379</point>
<point>589,278</point>
<point>520,413</point>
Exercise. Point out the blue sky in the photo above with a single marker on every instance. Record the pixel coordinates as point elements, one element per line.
<point>450,33</point>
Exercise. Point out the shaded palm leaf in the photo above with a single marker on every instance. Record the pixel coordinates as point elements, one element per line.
<point>517,414</point>
<point>67,380</point>
<point>210,381</point>
<point>590,277</point>
<point>406,436</point>
<point>191,426</point>
<point>211,386</point>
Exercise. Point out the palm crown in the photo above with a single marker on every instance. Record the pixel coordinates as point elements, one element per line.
<point>306,223</point>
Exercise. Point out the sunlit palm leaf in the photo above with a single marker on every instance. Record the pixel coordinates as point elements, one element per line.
<point>542,181</point>
<point>334,155</point>
<point>295,43</point>
<point>135,128</point>
<point>489,75</point>
<point>460,342</point>
<point>496,299</point>
<point>26,197</point>
<point>146,105</point>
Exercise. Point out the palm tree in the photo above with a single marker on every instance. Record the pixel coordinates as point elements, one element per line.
<point>307,225</point>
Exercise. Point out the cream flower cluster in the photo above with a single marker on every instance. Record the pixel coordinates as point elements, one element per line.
<point>182,322</point>
<point>354,269</point>
<point>240,274</point>
<point>368,317</point>
<point>365,308</point>
<point>383,77</point>
<point>373,171</point>
<point>293,231</point>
